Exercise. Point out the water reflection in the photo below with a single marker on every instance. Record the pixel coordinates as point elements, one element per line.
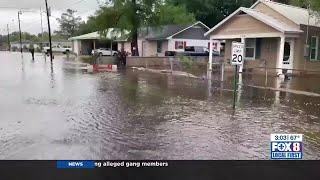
<point>139,115</point>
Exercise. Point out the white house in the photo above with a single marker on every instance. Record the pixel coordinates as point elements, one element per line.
<point>155,41</point>
<point>84,44</point>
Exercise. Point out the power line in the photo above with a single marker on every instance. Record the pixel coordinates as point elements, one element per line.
<point>8,7</point>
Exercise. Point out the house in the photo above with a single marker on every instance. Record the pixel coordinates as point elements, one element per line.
<point>84,44</point>
<point>155,41</point>
<point>273,33</point>
<point>15,46</point>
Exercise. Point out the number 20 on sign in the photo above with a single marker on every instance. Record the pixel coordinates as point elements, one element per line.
<point>237,53</point>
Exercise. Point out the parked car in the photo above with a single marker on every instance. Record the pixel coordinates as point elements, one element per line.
<point>104,52</point>
<point>58,49</point>
<point>192,51</point>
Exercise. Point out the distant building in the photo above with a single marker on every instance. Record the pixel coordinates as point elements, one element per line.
<point>152,41</point>
<point>15,46</point>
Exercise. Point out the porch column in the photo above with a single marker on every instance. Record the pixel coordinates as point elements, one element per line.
<point>210,54</point>
<point>209,69</point>
<point>243,40</point>
<point>281,54</point>
<point>94,44</point>
<point>292,48</point>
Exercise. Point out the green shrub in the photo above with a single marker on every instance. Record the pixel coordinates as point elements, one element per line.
<point>186,63</point>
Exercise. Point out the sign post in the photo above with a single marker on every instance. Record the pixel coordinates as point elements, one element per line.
<point>236,59</point>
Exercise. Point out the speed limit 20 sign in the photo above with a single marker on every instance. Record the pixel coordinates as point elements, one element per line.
<point>237,53</point>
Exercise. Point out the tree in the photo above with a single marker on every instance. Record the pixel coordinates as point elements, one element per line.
<point>132,14</point>
<point>87,27</point>
<point>314,4</point>
<point>283,1</point>
<point>170,14</point>
<point>211,12</point>
<point>69,23</point>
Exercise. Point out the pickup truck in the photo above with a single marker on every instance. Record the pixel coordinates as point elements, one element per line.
<point>192,51</point>
<point>58,49</point>
<point>104,52</point>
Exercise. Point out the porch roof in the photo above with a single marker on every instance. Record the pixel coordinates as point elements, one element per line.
<point>296,14</point>
<point>270,21</point>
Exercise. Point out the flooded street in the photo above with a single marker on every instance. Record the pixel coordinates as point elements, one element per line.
<point>58,114</point>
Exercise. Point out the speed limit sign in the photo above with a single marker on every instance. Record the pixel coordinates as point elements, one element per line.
<point>237,57</point>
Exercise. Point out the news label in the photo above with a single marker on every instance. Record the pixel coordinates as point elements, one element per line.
<point>286,146</point>
<point>109,164</point>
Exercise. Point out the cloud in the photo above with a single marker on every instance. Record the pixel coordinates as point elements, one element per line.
<point>31,19</point>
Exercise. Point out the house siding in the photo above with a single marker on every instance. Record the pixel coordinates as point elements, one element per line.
<point>242,25</point>
<point>189,42</point>
<point>299,53</point>
<point>126,46</point>
<point>272,13</point>
<point>151,48</point>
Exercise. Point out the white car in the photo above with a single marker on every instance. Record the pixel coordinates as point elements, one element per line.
<point>105,52</point>
<point>58,48</point>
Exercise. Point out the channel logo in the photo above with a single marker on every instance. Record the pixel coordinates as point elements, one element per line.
<point>286,146</point>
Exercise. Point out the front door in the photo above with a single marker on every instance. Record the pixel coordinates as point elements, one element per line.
<point>287,63</point>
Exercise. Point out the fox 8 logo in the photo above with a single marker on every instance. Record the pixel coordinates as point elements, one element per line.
<point>286,146</point>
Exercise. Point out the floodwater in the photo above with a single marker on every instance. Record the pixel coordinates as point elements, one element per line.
<point>51,113</point>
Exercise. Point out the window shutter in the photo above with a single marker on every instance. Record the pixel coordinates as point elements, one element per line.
<point>258,48</point>
<point>208,45</point>
<point>184,44</point>
<point>177,44</point>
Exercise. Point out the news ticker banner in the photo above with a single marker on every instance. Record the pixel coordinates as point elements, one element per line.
<point>286,146</point>
<point>113,164</point>
<point>33,170</point>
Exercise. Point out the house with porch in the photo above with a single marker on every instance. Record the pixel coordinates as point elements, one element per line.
<point>276,36</point>
<point>155,41</point>
<point>84,44</point>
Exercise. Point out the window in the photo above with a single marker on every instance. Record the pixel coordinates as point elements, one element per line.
<point>159,47</point>
<point>314,48</point>
<point>180,44</point>
<point>250,52</point>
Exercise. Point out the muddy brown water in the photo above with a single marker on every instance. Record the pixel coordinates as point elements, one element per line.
<point>135,115</point>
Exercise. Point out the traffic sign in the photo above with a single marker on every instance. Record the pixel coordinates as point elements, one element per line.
<point>237,57</point>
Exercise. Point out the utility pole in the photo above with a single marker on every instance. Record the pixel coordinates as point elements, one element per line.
<point>8,37</point>
<point>20,30</point>
<point>41,29</point>
<point>49,29</point>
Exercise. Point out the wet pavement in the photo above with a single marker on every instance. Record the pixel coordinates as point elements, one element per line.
<point>51,113</point>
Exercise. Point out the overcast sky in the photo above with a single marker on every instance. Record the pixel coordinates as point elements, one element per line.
<point>31,21</point>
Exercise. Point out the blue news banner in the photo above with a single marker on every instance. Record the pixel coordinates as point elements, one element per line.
<point>72,164</point>
<point>286,146</point>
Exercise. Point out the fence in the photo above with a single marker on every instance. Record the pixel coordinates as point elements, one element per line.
<point>197,66</point>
